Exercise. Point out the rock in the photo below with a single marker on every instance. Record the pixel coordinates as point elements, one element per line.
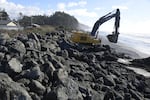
<point>7,57</point>
<point>78,74</point>
<point>63,53</point>
<point>142,63</point>
<point>37,87</point>
<point>82,76</point>
<point>136,95</point>
<point>1,56</point>
<point>91,57</point>
<point>139,85</point>
<point>48,46</point>
<point>57,64</point>
<point>109,81</point>
<point>147,90</point>
<point>29,63</point>
<point>51,96</point>
<point>34,96</point>
<point>118,96</point>
<point>24,81</point>
<point>37,42</point>
<point>68,91</point>
<point>105,88</point>
<point>99,55</point>
<point>22,37</point>
<point>10,90</point>
<point>3,38</point>
<point>33,73</point>
<point>62,93</point>
<point>95,96</point>
<point>14,65</point>
<point>99,74</point>
<point>89,94</point>
<point>127,96</point>
<point>109,95</point>
<point>147,96</point>
<point>49,69</point>
<point>16,46</point>
<point>109,57</point>
<point>60,75</point>
<point>3,49</point>
<point>64,45</point>
<point>31,43</point>
<point>84,91</point>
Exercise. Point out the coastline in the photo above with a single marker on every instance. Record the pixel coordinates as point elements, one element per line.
<point>123,48</point>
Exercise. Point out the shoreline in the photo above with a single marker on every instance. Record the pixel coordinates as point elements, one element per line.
<point>123,48</point>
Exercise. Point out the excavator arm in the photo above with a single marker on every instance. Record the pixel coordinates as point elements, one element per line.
<point>112,37</point>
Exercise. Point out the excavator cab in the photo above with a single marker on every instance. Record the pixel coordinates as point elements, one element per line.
<point>84,38</point>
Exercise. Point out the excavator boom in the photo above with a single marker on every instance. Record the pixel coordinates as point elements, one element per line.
<point>113,37</point>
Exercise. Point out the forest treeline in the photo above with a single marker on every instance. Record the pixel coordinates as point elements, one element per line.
<point>57,19</point>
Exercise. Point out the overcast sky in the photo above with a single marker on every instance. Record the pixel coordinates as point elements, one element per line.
<point>135,16</point>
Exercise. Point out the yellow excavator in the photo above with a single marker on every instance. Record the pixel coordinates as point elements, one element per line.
<point>85,38</point>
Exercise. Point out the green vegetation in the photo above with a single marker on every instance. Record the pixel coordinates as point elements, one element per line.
<point>63,19</point>
<point>41,30</point>
<point>4,15</point>
<point>58,19</point>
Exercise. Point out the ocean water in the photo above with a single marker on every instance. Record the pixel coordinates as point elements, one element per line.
<point>139,42</point>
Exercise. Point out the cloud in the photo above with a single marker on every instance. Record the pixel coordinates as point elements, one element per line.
<point>120,7</point>
<point>78,10</point>
<point>61,6</point>
<point>74,4</point>
<point>2,1</point>
<point>67,7</point>
<point>82,12</point>
<point>14,9</point>
<point>82,3</point>
<point>97,8</point>
<point>139,26</point>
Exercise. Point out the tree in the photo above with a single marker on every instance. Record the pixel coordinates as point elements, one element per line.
<point>4,15</point>
<point>25,21</point>
<point>57,19</point>
<point>63,19</point>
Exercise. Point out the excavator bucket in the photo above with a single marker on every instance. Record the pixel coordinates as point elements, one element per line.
<point>113,38</point>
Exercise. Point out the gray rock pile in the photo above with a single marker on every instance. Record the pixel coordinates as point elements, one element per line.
<point>50,67</point>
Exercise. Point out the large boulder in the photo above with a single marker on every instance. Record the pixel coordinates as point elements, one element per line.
<point>16,46</point>
<point>10,90</point>
<point>37,87</point>
<point>68,91</point>
<point>33,73</point>
<point>14,65</point>
<point>34,37</point>
<point>3,38</point>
